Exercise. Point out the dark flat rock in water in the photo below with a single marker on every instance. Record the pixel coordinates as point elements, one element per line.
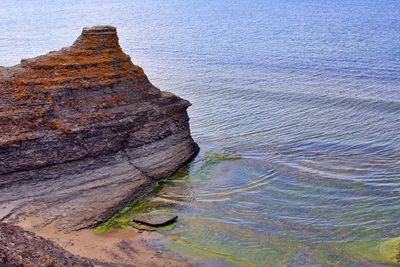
<point>155,220</point>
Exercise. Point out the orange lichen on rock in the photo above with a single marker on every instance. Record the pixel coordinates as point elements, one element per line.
<point>95,60</point>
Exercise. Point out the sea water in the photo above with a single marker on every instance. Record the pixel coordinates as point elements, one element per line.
<point>296,107</point>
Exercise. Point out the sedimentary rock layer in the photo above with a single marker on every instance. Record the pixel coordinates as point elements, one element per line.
<point>83,132</point>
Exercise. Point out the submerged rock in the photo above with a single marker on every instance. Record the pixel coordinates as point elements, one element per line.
<point>83,132</point>
<point>22,248</point>
<point>155,220</point>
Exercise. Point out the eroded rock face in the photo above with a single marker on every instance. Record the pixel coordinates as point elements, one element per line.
<point>83,132</point>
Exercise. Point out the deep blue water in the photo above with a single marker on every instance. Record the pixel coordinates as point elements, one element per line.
<point>305,94</point>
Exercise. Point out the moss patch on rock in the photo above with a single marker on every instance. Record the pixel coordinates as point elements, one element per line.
<point>142,206</point>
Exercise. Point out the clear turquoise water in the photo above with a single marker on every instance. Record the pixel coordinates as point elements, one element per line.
<point>304,93</point>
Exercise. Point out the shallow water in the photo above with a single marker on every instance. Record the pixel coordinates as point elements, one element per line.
<point>296,106</point>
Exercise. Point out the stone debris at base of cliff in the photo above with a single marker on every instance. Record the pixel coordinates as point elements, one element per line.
<point>83,133</point>
<point>19,248</point>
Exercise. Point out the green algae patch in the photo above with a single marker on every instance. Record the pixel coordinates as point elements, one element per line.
<point>179,177</point>
<point>231,243</point>
<point>143,208</point>
<point>123,219</point>
<point>383,251</point>
<point>328,255</point>
<point>182,246</point>
<point>145,205</point>
<point>390,250</point>
<point>271,255</point>
<point>214,158</point>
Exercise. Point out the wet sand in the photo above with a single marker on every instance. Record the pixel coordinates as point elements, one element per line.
<point>121,247</point>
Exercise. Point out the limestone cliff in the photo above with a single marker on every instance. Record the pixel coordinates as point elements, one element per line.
<point>83,132</point>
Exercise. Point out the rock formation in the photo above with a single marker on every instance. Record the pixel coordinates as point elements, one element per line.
<point>83,132</point>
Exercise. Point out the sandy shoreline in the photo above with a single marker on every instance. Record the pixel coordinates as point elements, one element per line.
<point>119,247</point>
